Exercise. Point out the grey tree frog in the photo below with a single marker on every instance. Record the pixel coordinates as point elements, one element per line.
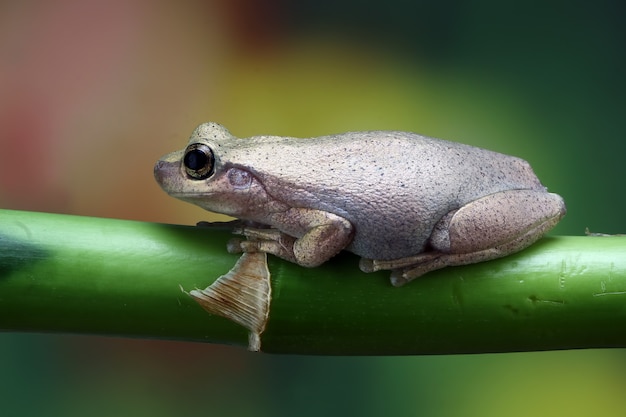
<point>402,202</point>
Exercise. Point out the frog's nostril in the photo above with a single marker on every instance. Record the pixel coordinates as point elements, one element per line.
<point>162,171</point>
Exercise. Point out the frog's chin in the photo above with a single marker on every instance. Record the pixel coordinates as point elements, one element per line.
<point>203,201</point>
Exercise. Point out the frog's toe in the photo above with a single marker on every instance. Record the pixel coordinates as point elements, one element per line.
<point>367,265</point>
<point>397,278</point>
<point>234,246</point>
<point>252,233</point>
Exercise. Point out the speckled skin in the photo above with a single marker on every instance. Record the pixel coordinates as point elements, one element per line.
<point>383,195</point>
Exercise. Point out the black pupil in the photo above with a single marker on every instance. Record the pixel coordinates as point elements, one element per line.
<point>196,160</point>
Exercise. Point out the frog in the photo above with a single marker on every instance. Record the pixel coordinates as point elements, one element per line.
<point>401,201</point>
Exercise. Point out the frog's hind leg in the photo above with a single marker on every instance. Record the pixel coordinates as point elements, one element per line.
<point>488,228</point>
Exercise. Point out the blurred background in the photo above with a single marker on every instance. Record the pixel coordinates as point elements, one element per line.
<point>92,93</point>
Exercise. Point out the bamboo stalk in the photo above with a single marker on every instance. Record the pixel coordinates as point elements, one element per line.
<point>72,274</point>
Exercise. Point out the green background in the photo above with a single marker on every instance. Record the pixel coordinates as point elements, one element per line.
<point>94,92</point>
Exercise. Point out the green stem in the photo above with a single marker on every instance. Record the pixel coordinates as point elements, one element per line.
<point>62,273</point>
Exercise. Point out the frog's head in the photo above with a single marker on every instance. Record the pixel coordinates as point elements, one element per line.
<point>198,175</point>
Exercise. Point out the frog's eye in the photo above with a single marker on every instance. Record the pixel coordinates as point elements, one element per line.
<point>198,161</point>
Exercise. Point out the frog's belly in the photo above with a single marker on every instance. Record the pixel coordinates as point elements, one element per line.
<point>386,243</point>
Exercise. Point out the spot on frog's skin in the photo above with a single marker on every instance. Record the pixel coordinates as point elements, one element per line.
<point>403,202</point>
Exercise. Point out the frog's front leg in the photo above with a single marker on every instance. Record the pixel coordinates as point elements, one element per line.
<point>304,236</point>
<point>488,228</point>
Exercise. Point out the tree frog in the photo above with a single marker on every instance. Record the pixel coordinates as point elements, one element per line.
<point>401,201</point>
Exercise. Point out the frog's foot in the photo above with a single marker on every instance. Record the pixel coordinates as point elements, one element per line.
<point>263,240</point>
<point>492,227</point>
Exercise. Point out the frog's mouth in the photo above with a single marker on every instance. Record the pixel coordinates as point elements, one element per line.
<point>190,196</point>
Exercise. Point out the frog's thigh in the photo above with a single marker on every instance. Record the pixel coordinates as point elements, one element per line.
<point>488,228</point>
<point>498,219</point>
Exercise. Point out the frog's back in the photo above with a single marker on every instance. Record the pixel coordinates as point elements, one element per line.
<point>392,186</point>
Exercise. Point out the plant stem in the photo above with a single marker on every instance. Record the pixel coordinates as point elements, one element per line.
<point>61,273</point>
